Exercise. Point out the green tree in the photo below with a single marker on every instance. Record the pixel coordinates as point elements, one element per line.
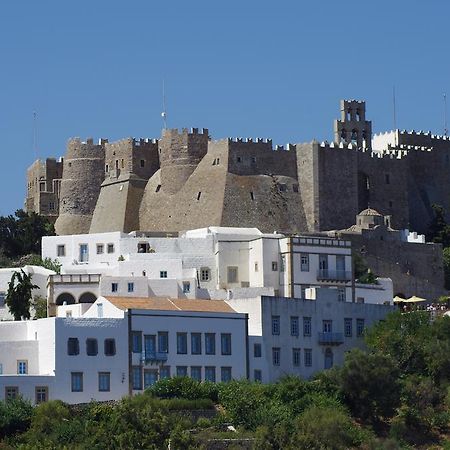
<point>40,307</point>
<point>18,298</point>
<point>439,229</point>
<point>47,263</point>
<point>370,385</point>
<point>446,260</point>
<point>15,416</point>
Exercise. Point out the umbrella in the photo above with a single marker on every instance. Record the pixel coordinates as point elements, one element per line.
<point>415,299</point>
<point>398,299</point>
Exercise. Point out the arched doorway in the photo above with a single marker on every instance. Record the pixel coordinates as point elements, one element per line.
<point>328,363</point>
<point>65,298</point>
<point>87,297</point>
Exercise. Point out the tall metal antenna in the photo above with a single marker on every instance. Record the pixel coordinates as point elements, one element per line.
<point>35,134</point>
<point>395,115</point>
<point>445,115</point>
<point>164,112</point>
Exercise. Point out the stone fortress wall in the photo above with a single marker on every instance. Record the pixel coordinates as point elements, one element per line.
<point>186,180</point>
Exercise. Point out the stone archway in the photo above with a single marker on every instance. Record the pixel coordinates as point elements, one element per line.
<point>87,297</point>
<point>65,298</point>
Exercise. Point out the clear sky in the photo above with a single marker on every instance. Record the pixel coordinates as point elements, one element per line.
<point>273,69</point>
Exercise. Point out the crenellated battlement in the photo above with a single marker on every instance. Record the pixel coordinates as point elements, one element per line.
<point>185,131</point>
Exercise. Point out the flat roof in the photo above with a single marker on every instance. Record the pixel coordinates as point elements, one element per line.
<point>171,304</point>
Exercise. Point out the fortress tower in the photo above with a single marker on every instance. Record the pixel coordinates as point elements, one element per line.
<point>180,154</point>
<point>83,173</point>
<point>353,128</point>
<point>129,164</point>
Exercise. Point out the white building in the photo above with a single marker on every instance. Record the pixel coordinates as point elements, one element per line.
<point>212,262</point>
<point>303,336</point>
<point>120,346</point>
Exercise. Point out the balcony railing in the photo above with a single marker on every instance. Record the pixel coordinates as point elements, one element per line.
<point>153,357</point>
<point>331,338</point>
<point>75,278</point>
<point>334,275</point>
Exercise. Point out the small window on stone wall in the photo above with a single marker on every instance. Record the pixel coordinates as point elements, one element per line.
<point>142,162</point>
<point>106,168</point>
<point>390,203</point>
<point>158,188</point>
<point>199,195</point>
<point>123,163</point>
<point>238,159</point>
<point>252,196</point>
<point>295,187</point>
<point>387,178</point>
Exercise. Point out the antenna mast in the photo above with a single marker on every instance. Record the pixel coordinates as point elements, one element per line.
<point>395,115</point>
<point>35,134</point>
<point>164,112</point>
<point>445,115</point>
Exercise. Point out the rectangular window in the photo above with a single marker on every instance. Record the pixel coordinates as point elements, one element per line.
<point>142,163</point>
<point>283,263</point>
<point>205,274</point>
<point>359,327</point>
<point>296,352</point>
<point>276,356</point>
<point>181,371</point>
<point>225,340</point>
<point>164,372</point>
<point>61,250</point>
<point>275,325</point>
<point>182,343</point>
<point>136,378</point>
<point>210,373</point>
<point>256,267</point>
<point>308,357</point>
<point>341,295</point>
<point>73,346</point>
<point>150,378</point>
<point>232,274</point>
<point>110,248</point>
<point>163,274</point>
<point>22,367</point>
<point>186,287</point>
<point>110,347</point>
<point>274,266</point>
<point>225,374</point>
<point>304,262</point>
<point>100,249</point>
<point>104,381</point>
<point>210,343</point>
<point>196,343</point>
<point>91,347</point>
<point>257,375</point>
<point>136,339</point>
<point>257,350</point>
<point>306,326</point>
<point>130,287</point>
<point>2,299</point>
<point>11,392</point>
<point>77,381</point>
<point>163,341</point>
<point>41,394</point>
<point>327,326</point>
<point>84,253</point>
<point>114,287</point>
<point>294,326</point>
<point>348,327</point>
<point>196,373</point>
<point>99,310</point>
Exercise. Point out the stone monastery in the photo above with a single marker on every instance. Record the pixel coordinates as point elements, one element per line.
<point>186,180</point>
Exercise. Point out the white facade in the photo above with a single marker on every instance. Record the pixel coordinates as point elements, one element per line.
<point>203,339</point>
<point>302,337</point>
<point>212,262</point>
<point>35,360</point>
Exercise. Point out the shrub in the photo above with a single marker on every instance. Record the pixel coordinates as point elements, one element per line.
<point>15,416</point>
<point>183,387</point>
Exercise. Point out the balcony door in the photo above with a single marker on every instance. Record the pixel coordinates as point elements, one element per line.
<point>323,262</point>
<point>328,361</point>
<point>340,265</point>
<point>150,344</point>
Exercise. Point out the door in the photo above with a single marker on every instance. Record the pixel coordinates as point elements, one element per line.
<point>340,266</point>
<point>150,344</point>
<point>84,255</point>
<point>328,364</point>
<point>323,265</point>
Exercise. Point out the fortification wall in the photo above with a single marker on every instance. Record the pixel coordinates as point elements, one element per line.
<point>83,173</point>
<point>415,269</point>
<point>180,153</point>
<point>197,203</point>
<point>257,157</point>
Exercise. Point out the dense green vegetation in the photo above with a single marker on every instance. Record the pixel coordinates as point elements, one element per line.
<point>395,395</point>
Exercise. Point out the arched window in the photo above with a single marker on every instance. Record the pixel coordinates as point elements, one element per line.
<point>87,297</point>
<point>65,298</point>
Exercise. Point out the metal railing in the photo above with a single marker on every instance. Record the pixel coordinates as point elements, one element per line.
<point>334,275</point>
<point>149,357</point>
<point>331,338</point>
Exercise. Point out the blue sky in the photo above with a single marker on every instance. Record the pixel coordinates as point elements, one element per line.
<point>272,69</point>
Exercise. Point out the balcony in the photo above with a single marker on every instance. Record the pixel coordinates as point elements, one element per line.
<point>74,278</point>
<point>331,338</point>
<point>334,275</point>
<point>153,357</point>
